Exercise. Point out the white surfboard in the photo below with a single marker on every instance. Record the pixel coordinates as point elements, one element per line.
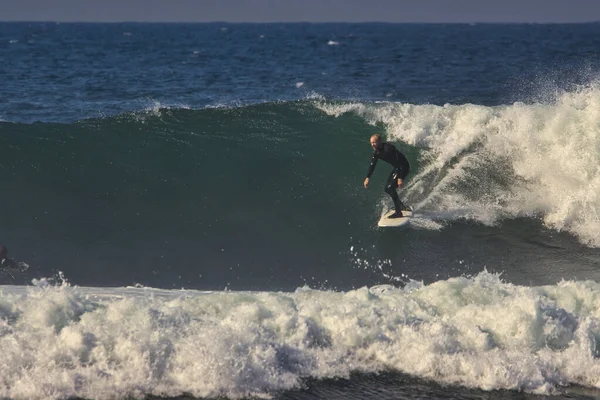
<point>395,222</point>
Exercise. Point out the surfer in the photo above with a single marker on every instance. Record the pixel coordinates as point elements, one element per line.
<point>6,262</point>
<point>388,153</point>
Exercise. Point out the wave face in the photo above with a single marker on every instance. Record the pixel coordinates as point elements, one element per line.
<point>93,343</point>
<point>271,196</point>
<point>194,190</point>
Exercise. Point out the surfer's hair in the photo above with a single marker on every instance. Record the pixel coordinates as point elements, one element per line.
<point>376,136</point>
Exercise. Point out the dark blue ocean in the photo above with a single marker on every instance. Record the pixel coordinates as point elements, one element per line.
<point>187,205</point>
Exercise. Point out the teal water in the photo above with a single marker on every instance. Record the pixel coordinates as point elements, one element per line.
<point>270,197</point>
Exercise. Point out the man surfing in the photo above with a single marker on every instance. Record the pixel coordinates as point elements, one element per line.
<point>388,153</point>
<point>6,262</point>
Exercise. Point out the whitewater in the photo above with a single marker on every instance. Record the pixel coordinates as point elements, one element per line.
<point>536,160</point>
<point>61,341</point>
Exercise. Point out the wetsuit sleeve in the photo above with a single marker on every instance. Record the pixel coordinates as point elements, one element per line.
<point>7,263</point>
<point>372,165</point>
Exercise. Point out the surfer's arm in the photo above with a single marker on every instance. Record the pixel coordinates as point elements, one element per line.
<point>371,169</point>
<point>372,165</point>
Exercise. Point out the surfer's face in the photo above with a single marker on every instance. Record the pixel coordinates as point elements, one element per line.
<point>375,144</point>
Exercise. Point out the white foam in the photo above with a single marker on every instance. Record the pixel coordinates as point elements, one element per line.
<point>488,163</point>
<point>59,342</point>
<point>157,109</point>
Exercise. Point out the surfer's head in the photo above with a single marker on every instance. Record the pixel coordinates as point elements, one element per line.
<point>375,141</point>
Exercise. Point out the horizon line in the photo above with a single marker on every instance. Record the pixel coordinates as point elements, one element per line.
<point>301,22</point>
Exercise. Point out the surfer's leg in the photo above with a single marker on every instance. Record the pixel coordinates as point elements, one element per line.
<point>403,173</point>
<point>390,188</point>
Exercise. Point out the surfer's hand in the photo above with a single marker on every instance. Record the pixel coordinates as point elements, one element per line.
<point>400,183</point>
<point>366,182</point>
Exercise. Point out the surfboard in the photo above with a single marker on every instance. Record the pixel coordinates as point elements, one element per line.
<point>386,222</point>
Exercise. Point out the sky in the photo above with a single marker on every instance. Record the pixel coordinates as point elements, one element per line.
<point>539,11</point>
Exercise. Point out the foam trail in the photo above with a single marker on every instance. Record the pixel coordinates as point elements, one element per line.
<point>488,163</point>
<point>59,342</point>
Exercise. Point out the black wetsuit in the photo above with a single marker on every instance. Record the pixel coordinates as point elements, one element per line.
<point>391,155</point>
<point>5,262</point>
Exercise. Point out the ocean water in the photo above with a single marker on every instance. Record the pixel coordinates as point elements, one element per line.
<point>188,200</point>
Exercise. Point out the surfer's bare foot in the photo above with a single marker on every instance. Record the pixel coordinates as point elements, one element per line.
<point>397,214</point>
